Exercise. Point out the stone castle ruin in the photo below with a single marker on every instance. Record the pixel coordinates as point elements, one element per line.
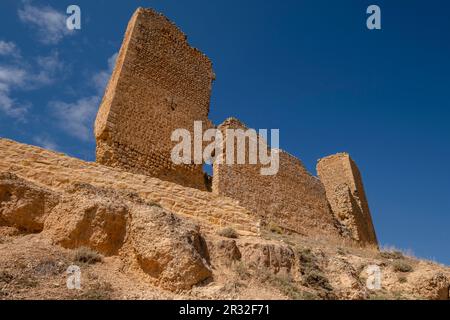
<point>170,231</point>
<point>345,193</point>
<point>160,84</point>
<point>292,198</point>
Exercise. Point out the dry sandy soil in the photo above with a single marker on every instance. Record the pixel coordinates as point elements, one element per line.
<point>136,241</point>
<point>31,267</point>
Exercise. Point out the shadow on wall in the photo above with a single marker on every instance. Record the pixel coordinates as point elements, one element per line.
<point>208,174</point>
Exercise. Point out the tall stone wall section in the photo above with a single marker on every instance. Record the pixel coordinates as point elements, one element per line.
<point>159,84</point>
<point>292,199</point>
<point>59,172</point>
<point>346,195</point>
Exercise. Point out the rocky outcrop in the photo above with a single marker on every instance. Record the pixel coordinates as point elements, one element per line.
<point>58,172</point>
<point>276,258</point>
<point>433,287</point>
<point>224,252</point>
<point>88,219</point>
<point>168,248</point>
<point>175,254</point>
<point>23,204</point>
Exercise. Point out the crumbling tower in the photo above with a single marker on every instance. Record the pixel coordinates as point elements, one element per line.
<point>346,195</point>
<point>159,84</point>
<point>292,198</point>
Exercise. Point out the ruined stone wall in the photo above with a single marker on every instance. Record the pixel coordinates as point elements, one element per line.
<point>159,84</point>
<point>59,172</point>
<point>292,199</point>
<point>346,195</point>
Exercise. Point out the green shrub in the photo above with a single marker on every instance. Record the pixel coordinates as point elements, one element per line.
<point>313,277</point>
<point>402,279</point>
<point>287,286</point>
<point>87,256</point>
<point>6,277</point>
<point>241,270</point>
<point>228,233</point>
<point>154,204</point>
<point>49,267</point>
<point>306,255</point>
<point>99,291</point>
<point>307,260</point>
<point>379,296</point>
<point>394,255</point>
<point>274,228</point>
<point>402,266</point>
<point>26,282</point>
<point>316,279</point>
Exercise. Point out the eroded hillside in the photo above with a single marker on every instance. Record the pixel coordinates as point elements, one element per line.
<point>135,237</point>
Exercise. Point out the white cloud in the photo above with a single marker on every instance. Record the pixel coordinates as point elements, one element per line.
<point>48,68</point>
<point>20,76</point>
<point>46,142</point>
<point>77,118</point>
<point>9,49</point>
<point>50,24</point>
<point>100,79</point>
<point>11,77</point>
<point>11,108</point>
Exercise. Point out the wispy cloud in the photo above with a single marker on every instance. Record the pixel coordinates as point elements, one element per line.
<point>11,107</point>
<point>77,118</point>
<point>9,49</point>
<point>49,67</point>
<point>49,23</point>
<point>11,77</point>
<point>100,79</point>
<point>18,75</point>
<point>46,142</point>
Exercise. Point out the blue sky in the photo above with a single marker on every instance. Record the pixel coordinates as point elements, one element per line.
<point>310,68</point>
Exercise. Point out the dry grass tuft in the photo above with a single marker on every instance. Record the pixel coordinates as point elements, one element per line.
<point>402,266</point>
<point>87,256</point>
<point>274,228</point>
<point>228,233</point>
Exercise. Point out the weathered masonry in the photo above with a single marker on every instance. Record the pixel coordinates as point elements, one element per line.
<point>292,199</point>
<point>346,195</point>
<point>160,84</point>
